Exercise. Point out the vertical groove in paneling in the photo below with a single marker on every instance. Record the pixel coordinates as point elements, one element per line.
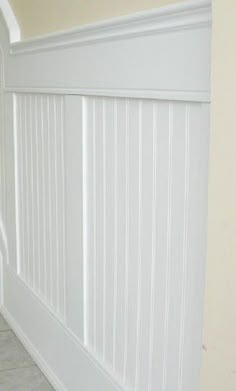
<point>62,159</point>
<point>40,195</point>
<point>104,225</point>
<point>94,225</point>
<point>168,244</point>
<point>121,238</point>
<point>46,199</point>
<point>127,239</point>
<point>57,264</point>
<point>22,184</point>
<point>85,171</point>
<point>140,135</point>
<point>109,164</point>
<point>115,234</point>
<point>185,245</point>
<point>37,205</point>
<point>31,191</point>
<point>153,260</point>
<point>89,179</point>
<point>17,152</point>
<point>49,151</point>
<point>100,231</point>
<point>17,180</point>
<point>26,196</point>
<point>42,131</point>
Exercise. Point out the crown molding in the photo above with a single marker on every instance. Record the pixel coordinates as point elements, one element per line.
<point>187,15</point>
<point>11,21</point>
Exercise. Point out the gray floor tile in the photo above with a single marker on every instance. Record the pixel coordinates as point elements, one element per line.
<point>24,379</point>
<point>3,324</point>
<point>12,353</point>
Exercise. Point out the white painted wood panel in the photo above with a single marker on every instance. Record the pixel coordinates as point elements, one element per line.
<point>104,155</point>
<point>9,168</point>
<point>40,196</point>
<point>146,236</point>
<point>74,267</point>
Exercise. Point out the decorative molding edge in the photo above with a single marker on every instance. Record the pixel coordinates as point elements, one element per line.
<point>189,96</point>
<point>187,15</point>
<point>11,21</point>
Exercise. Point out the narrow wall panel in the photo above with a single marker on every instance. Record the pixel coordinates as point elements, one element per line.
<point>109,201</point>
<point>134,160</point>
<point>178,205</point>
<point>60,164</point>
<point>20,141</point>
<point>91,224</point>
<point>52,161</point>
<point>145,243</point>
<point>74,271</point>
<point>34,176</point>
<point>24,194</point>
<point>10,185</point>
<point>29,186</point>
<point>47,195</point>
<point>163,150</point>
<point>100,225</point>
<point>119,286</point>
<point>40,184</point>
<point>195,245</point>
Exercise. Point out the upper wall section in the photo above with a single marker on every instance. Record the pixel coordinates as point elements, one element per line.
<point>40,17</point>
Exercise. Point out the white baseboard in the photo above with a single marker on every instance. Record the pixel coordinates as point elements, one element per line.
<point>37,357</point>
<point>60,356</point>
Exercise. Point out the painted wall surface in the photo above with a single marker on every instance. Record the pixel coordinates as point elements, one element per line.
<point>105,201</point>
<point>219,353</point>
<point>40,17</point>
<point>219,363</point>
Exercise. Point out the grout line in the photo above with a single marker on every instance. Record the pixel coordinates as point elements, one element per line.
<point>15,368</point>
<point>4,331</point>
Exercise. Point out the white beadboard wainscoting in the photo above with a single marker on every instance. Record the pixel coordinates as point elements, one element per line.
<point>104,169</point>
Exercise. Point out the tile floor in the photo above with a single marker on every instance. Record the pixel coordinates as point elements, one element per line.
<point>18,371</point>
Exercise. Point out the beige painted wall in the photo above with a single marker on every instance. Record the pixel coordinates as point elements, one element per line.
<point>219,358</point>
<point>38,17</point>
<point>219,354</point>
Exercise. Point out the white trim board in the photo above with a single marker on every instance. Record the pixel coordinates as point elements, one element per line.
<point>180,16</point>
<point>118,56</point>
<point>185,96</point>
<point>11,21</point>
<point>32,351</point>
<point>33,340</point>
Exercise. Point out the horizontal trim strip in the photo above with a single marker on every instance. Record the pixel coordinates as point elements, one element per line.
<point>188,96</point>
<point>189,14</point>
